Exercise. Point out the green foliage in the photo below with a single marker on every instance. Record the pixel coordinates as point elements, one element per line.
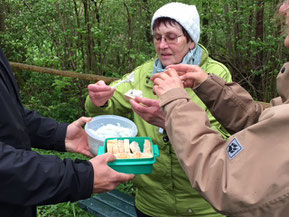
<point>251,46</point>
<point>111,38</point>
<point>53,96</point>
<point>127,187</point>
<point>60,210</point>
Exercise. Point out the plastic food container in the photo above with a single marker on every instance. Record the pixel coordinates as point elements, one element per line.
<point>96,141</point>
<point>135,165</point>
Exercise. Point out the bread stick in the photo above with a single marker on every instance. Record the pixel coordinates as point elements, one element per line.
<point>126,146</point>
<point>110,144</point>
<point>134,147</point>
<point>147,146</point>
<point>120,145</point>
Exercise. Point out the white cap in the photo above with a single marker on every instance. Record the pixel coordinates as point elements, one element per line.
<point>186,15</point>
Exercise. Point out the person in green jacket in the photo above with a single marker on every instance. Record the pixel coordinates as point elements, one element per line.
<point>167,190</point>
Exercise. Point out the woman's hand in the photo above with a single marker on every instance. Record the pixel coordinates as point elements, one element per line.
<point>100,93</point>
<point>166,81</point>
<point>149,110</point>
<point>191,75</point>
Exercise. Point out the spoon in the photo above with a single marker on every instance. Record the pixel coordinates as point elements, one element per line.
<point>130,78</point>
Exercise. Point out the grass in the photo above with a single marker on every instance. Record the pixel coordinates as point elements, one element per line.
<point>62,209</point>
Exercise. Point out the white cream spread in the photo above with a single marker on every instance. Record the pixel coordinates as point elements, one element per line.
<point>133,93</point>
<point>110,130</point>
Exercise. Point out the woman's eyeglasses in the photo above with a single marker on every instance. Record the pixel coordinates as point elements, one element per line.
<point>170,38</point>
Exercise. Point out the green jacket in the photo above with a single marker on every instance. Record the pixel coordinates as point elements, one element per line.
<point>167,191</point>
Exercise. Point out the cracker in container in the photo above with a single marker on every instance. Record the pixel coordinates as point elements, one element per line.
<point>120,145</point>
<point>147,150</point>
<point>110,145</point>
<point>126,146</point>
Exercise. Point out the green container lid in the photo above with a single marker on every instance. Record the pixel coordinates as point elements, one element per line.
<point>132,165</point>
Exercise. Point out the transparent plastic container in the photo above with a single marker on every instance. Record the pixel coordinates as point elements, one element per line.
<point>95,141</point>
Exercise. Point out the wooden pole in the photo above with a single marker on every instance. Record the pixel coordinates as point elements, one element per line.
<point>88,77</point>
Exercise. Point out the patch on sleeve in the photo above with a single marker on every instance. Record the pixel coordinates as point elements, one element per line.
<point>234,148</point>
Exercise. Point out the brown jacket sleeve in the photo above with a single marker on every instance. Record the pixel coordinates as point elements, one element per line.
<point>229,103</point>
<point>245,176</point>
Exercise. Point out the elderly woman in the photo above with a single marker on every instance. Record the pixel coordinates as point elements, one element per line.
<point>167,191</point>
<point>247,175</point>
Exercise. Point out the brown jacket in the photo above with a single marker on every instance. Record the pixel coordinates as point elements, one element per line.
<point>233,106</point>
<point>247,175</point>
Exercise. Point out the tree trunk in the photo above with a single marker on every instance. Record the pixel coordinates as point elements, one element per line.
<point>259,82</point>
<point>260,27</point>
<point>101,56</point>
<point>205,23</point>
<point>91,62</point>
<point>148,17</point>
<point>2,16</point>
<point>79,41</point>
<point>228,32</point>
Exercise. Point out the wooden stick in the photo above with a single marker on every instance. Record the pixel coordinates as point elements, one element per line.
<point>88,77</point>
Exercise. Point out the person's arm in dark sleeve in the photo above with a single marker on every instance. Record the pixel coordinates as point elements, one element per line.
<point>28,178</point>
<point>45,133</point>
<point>229,103</point>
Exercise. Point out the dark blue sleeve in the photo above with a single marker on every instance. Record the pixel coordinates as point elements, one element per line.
<point>28,178</point>
<point>45,133</point>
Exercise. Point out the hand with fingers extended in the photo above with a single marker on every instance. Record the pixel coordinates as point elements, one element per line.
<point>100,93</point>
<point>166,81</point>
<point>149,110</point>
<point>105,178</point>
<point>76,138</point>
<point>191,75</point>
